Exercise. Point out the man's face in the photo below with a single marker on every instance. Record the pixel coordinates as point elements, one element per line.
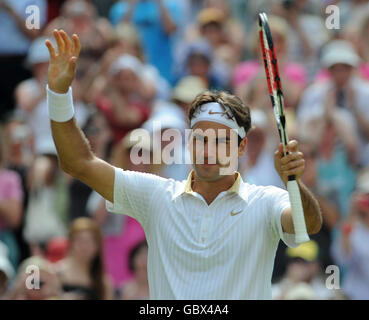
<point>214,149</point>
<point>341,74</point>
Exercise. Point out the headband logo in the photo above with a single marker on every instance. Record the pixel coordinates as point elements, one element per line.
<point>222,113</point>
<point>214,112</point>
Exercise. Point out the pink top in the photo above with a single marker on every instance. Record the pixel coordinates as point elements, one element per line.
<point>117,249</point>
<point>10,188</point>
<point>246,71</point>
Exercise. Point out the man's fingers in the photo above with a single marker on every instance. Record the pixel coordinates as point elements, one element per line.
<point>51,49</point>
<point>76,46</point>
<point>293,172</point>
<point>279,153</point>
<point>291,156</point>
<point>292,146</point>
<point>72,66</point>
<point>67,42</point>
<point>59,41</point>
<point>293,164</point>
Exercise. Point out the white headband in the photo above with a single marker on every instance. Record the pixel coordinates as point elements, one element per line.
<point>214,112</point>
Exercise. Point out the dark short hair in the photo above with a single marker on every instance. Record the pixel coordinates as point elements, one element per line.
<point>133,253</point>
<point>239,109</point>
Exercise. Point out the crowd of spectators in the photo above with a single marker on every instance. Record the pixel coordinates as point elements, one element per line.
<point>146,60</point>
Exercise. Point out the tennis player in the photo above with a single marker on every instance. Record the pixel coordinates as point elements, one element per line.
<point>210,237</point>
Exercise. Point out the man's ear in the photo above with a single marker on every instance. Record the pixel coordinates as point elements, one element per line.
<point>242,147</point>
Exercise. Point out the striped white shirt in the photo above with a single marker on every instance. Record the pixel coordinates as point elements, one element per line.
<point>224,250</point>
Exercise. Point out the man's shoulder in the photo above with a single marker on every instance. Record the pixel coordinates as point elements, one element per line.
<point>262,192</point>
<point>147,180</point>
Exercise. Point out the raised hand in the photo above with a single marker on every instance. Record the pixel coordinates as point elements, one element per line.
<point>63,64</point>
<point>291,164</point>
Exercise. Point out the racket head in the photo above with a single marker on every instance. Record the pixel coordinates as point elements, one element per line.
<point>272,75</point>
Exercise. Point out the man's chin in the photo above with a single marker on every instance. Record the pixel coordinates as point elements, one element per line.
<point>207,172</point>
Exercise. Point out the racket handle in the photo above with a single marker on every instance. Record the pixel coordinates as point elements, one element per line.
<point>297,212</point>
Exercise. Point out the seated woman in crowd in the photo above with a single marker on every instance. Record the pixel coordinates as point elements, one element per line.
<point>82,272</point>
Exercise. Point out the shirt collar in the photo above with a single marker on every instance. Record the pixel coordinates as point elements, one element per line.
<point>188,185</point>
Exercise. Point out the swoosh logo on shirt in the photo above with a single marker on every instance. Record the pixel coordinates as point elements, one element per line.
<point>235,213</point>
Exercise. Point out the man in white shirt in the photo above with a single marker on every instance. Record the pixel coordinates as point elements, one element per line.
<point>210,237</point>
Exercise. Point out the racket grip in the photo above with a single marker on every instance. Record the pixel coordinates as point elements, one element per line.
<point>297,212</point>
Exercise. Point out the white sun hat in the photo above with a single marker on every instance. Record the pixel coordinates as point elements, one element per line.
<point>339,51</point>
<point>125,62</point>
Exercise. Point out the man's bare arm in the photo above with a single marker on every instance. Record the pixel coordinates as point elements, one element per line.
<point>294,164</point>
<point>312,213</point>
<point>75,155</point>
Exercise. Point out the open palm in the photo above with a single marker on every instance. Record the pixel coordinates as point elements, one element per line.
<point>63,64</point>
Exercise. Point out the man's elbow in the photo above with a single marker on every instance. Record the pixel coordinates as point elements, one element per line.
<point>76,170</point>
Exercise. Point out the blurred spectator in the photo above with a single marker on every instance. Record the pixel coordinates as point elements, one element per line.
<point>350,250</point>
<point>336,141</point>
<point>80,17</point>
<point>258,165</point>
<point>138,287</point>
<point>354,11</point>
<point>126,42</point>
<point>82,272</point>
<point>357,34</point>
<point>11,209</point>
<point>18,157</point>
<point>6,271</point>
<point>46,213</point>
<point>122,103</point>
<point>173,115</point>
<point>248,80</point>
<point>343,93</point>
<point>303,267</point>
<point>305,35</point>
<point>157,21</point>
<point>31,97</point>
<point>49,284</point>
<point>15,40</point>
<point>224,33</point>
<point>185,92</point>
<point>233,27</point>
<point>363,46</point>
<point>167,127</point>
<point>198,60</point>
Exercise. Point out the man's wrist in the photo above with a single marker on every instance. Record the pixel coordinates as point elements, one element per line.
<point>60,105</point>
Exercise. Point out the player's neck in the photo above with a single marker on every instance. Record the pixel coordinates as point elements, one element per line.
<point>210,189</point>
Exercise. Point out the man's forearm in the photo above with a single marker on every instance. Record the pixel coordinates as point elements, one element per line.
<point>312,212</point>
<point>72,146</point>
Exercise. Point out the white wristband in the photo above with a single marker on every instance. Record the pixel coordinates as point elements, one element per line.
<point>60,105</point>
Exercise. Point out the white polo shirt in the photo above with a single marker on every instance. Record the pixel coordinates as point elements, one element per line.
<point>224,250</point>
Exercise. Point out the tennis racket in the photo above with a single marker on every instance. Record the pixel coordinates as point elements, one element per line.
<point>276,96</point>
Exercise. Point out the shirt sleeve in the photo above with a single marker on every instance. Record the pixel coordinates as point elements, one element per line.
<point>278,202</point>
<point>134,193</point>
